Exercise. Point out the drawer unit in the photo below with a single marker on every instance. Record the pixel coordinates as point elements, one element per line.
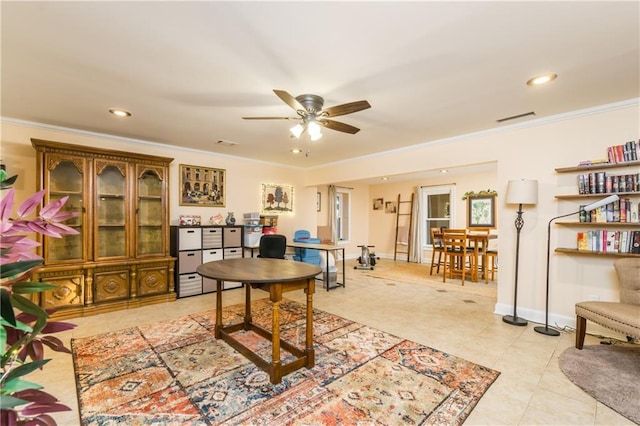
<point>232,236</point>
<point>190,239</point>
<point>232,253</point>
<point>209,285</point>
<point>212,254</point>
<point>188,261</point>
<point>189,285</point>
<point>211,237</point>
<point>195,245</point>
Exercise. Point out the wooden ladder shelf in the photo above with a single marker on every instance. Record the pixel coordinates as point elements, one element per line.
<point>404,221</point>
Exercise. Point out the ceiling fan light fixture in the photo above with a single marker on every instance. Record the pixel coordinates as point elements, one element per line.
<point>297,130</point>
<point>315,131</point>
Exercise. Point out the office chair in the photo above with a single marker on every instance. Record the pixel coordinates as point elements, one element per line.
<point>273,246</point>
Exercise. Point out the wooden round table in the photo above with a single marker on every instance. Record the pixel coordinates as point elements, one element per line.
<point>275,276</point>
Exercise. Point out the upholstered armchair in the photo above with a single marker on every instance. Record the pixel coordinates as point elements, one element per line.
<point>623,316</point>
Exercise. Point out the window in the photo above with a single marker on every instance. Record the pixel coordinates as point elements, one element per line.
<point>439,208</point>
<point>343,213</point>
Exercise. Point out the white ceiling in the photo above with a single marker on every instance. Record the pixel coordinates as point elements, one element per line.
<point>188,71</point>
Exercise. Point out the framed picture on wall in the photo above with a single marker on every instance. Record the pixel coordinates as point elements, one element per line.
<point>318,200</point>
<point>378,203</point>
<point>481,211</point>
<point>277,198</point>
<point>202,186</point>
<point>390,207</point>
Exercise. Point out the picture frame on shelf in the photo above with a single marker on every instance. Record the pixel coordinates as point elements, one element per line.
<point>202,186</point>
<point>481,211</point>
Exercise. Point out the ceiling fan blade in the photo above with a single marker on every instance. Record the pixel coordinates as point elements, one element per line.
<point>289,100</point>
<point>271,118</point>
<point>341,127</point>
<point>344,109</point>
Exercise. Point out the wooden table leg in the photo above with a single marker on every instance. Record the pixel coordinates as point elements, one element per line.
<point>276,366</point>
<point>218,309</point>
<point>309,337</point>
<point>247,307</point>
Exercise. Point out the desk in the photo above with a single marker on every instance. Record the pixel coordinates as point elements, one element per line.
<point>480,243</point>
<point>275,276</point>
<point>326,248</point>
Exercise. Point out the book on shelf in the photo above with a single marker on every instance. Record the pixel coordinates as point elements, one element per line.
<point>635,248</point>
<point>608,241</point>
<point>603,183</point>
<point>628,151</point>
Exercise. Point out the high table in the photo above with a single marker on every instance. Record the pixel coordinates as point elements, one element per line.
<point>480,242</point>
<point>275,276</point>
<point>326,248</point>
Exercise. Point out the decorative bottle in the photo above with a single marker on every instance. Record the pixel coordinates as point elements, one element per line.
<point>230,220</point>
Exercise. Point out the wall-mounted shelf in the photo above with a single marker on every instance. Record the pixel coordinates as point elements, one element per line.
<point>593,253</point>
<point>599,229</point>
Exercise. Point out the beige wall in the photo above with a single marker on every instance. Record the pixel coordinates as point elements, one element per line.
<point>531,150</point>
<point>382,225</point>
<point>244,177</point>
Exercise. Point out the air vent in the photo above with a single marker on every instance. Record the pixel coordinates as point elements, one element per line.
<point>226,143</point>
<point>513,117</point>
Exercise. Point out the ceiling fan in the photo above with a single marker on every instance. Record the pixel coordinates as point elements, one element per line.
<point>310,110</point>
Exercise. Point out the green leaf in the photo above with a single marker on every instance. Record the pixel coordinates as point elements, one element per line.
<point>27,306</point>
<point>3,339</point>
<point>15,268</point>
<point>19,325</point>
<point>6,309</point>
<point>24,369</point>
<point>8,402</point>
<point>32,287</point>
<point>6,183</point>
<point>17,385</point>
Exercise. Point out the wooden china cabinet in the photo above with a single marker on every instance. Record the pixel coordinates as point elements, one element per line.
<point>120,256</point>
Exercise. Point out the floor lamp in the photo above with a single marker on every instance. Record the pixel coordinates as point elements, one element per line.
<point>546,330</point>
<point>519,192</point>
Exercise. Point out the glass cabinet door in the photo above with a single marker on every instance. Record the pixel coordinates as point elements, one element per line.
<point>150,213</point>
<point>66,177</point>
<point>110,239</point>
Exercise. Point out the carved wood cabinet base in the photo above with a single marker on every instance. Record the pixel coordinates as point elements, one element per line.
<point>91,289</point>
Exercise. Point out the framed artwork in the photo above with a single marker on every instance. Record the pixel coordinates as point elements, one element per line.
<point>378,203</point>
<point>202,186</point>
<point>390,207</point>
<point>481,211</point>
<point>277,198</point>
<point>318,200</point>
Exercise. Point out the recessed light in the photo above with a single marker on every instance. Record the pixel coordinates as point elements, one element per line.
<point>119,112</point>
<point>444,171</point>
<point>296,150</point>
<point>542,79</point>
<point>385,178</point>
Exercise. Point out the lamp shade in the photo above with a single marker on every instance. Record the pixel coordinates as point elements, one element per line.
<point>522,191</point>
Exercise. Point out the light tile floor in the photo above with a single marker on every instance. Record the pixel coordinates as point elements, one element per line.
<point>531,389</point>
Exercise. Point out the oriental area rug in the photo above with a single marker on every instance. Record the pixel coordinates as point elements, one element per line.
<point>176,372</point>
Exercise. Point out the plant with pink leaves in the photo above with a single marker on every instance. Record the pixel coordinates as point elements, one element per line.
<point>26,328</point>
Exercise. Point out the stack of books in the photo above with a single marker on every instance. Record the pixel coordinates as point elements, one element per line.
<point>607,241</point>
